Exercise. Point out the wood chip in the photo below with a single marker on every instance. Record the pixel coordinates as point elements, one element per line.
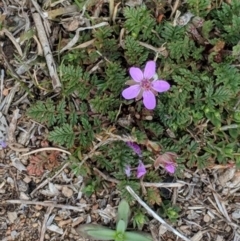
<point>67,192</point>
<point>198,236</point>
<point>77,221</point>
<point>12,216</point>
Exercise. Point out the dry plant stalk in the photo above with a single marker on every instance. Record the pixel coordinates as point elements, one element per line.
<point>45,204</point>
<point>52,14</point>
<point>150,211</point>
<point>47,52</point>
<point>44,224</point>
<point>12,127</point>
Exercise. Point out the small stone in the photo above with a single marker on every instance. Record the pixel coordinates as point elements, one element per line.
<point>27,179</point>
<point>137,116</point>
<point>67,192</point>
<point>149,118</point>
<point>46,236</point>
<point>35,225</point>
<point>206,218</point>
<point>228,229</point>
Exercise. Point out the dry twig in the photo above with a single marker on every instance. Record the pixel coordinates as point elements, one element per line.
<point>47,52</point>
<point>150,211</point>
<point>76,37</point>
<point>45,204</point>
<point>12,127</point>
<point>145,184</point>
<point>46,149</point>
<point>44,225</point>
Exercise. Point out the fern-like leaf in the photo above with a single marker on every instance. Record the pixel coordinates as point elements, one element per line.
<point>63,135</point>
<point>44,112</point>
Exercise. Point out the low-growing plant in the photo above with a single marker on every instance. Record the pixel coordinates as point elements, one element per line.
<point>98,232</point>
<point>169,211</point>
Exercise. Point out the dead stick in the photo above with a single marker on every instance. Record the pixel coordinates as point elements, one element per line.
<point>47,52</point>
<point>45,204</point>
<point>145,184</point>
<point>44,225</point>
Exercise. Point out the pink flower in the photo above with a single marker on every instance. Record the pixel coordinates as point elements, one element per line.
<point>141,170</point>
<point>144,85</point>
<point>167,161</point>
<point>170,167</point>
<point>135,147</point>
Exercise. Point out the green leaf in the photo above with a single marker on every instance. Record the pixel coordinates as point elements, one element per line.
<point>234,133</point>
<point>63,135</point>
<point>43,112</point>
<point>137,236</point>
<point>222,95</point>
<point>61,117</point>
<point>96,232</point>
<point>139,22</point>
<point>121,226</point>
<point>123,212</point>
<point>215,118</point>
<point>206,28</point>
<point>139,219</point>
<point>198,7</point>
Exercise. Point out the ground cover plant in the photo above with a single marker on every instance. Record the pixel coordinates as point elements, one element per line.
<point>148,90</point>
<point>196,118</point>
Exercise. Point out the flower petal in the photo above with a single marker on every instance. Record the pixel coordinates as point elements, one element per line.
<point>131,92</point>
<point>136,74</point>
<point>170,167</point>
<point>149,99</point>
<point>128,171</point>
<point>135,147</point>
<point>141,170</point>
<point>150,69</point>
<point>160,85</point>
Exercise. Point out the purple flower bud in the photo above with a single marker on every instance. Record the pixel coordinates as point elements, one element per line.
<point>3,144</point>
<point>128,171</point>
<point>141,170</point>
<point>135,147</point>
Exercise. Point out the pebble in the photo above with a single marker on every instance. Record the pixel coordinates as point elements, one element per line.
<point>228,229</point>
<point>206,218</point>
<point>35,225</point>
